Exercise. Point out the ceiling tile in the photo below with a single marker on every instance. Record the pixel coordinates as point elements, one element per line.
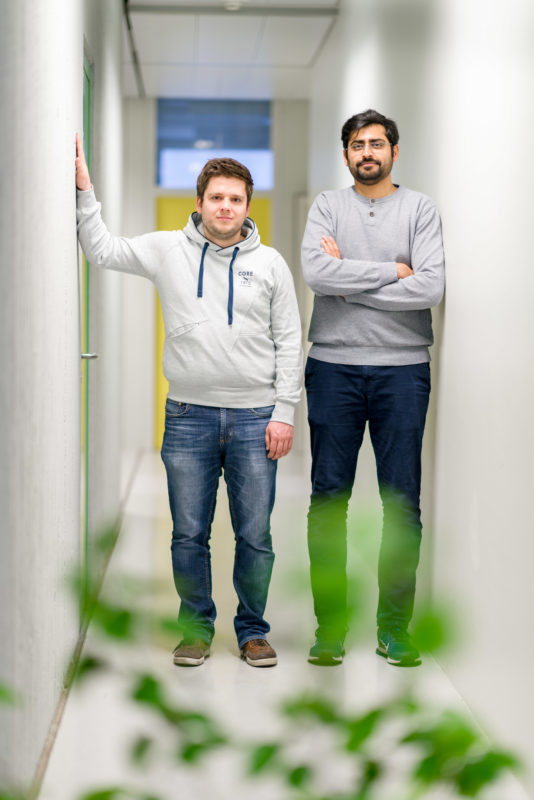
<point>231,55</point>
<point>228,40</point>
<point>164,38</point>
<point>291,41</point>
<point>329,4</point>
<point>256,83</point>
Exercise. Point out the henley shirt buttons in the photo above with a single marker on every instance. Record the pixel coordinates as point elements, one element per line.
<point>371,213</point>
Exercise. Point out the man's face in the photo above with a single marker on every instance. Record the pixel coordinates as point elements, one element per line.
<point>224,209</point>
<point>368,165</point>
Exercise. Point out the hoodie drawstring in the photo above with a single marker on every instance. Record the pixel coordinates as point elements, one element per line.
<point>231,288</point>
<point>201,271</point>
<point>230,281</point>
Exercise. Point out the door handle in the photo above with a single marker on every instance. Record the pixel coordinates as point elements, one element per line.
<point>89,355</point>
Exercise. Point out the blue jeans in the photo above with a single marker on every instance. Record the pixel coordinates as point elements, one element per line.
<point>199,442</point>
<point>341,400</point>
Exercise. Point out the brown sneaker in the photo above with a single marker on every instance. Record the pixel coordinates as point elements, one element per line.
<point>259,653</point>
<point>191,652</point>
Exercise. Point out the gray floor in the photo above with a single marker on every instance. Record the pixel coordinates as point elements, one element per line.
<point>100,722</point>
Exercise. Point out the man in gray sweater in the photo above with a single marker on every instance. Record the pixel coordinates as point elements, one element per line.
<point>373,255</point>
<point>232,357</point>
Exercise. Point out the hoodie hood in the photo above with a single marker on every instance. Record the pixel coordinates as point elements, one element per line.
<point>193,231</point>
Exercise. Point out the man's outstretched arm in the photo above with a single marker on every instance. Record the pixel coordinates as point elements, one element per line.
<point>140,255</point>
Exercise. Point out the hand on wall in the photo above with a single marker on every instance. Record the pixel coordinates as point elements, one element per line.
<point>83,181</point>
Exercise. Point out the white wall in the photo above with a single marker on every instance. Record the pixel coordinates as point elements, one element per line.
<point>103,45</point>
<point>289,141</point>
<point>456,76</point>
<point>139,296</point>
<point>485,436</point>
<point>41,71</point>
<point>40,96</point>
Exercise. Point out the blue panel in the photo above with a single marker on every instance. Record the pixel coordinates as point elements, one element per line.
<point>212,128</point>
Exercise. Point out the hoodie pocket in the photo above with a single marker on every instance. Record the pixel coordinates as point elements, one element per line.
<point>189,326</point>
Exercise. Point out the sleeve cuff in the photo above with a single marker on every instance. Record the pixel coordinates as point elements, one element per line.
<point>283,412</point>
<point>391,273</point>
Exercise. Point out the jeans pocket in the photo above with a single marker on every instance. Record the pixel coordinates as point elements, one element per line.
<point>262,412</point>
<point>175,408</point>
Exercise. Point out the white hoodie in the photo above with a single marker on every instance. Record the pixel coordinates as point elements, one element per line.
<point>232,327</point>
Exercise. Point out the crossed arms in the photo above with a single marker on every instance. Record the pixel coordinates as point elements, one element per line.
<point>384,285</point>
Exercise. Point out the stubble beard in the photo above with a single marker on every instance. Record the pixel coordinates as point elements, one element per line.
<point>369,179</point>
<point>229,235</point>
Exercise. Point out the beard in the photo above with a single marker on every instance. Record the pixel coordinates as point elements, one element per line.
<point>370,176</point>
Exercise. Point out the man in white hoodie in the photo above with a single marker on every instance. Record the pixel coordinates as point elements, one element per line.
<point>232,357</point>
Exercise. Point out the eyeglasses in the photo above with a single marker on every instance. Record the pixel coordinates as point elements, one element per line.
<point>359,147</point>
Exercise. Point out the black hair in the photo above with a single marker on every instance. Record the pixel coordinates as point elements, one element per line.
<point>369,117</point>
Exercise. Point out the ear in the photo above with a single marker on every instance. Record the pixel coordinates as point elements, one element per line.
<point>199,205</point>
<point>395,152</point>
<point>345,157</point>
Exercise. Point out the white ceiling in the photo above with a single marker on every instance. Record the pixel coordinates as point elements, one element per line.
<point>263,50</point>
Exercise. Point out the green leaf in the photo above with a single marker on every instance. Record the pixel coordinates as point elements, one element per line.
<point>88,666</point>
<point>116,622</point>
<point>141,749</point>
<point>452,735</point>
<point>170,625</point>
<point>8,696</point>
<point>360,729</point>
<point>478,774</point>
<point>300,775</point>
<point>321,708</point>
<point>434,630</point>
<point>263,756</point>
<point>105,794</point>
<point>372,771</point>
<point>148,691</point>
<point>431,769</point>
<point>194,717</point>
<point>106,540</point>
<point>191,752</point>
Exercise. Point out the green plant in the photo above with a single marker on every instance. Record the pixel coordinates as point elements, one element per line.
<point>436,747</point>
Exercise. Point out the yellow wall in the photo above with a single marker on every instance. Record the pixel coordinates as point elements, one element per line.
<point>172,213</point>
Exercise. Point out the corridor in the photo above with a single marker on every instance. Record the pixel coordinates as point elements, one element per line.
<point>156,84</point>
<point>101,721</point>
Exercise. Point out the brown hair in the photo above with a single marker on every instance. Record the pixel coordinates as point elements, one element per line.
<point>228,168</point>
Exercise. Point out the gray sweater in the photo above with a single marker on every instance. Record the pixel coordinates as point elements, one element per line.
<point>232,327</point>
<point>363,314</point>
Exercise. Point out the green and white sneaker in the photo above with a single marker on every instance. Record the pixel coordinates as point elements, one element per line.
<point>326,653</point>
<point>395,645</point>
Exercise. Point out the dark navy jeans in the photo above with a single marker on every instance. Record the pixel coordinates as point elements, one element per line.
<point>199,443</point>
<point>341,400</point>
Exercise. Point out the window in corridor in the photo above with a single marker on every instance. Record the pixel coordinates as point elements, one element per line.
<point>192,131</point>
